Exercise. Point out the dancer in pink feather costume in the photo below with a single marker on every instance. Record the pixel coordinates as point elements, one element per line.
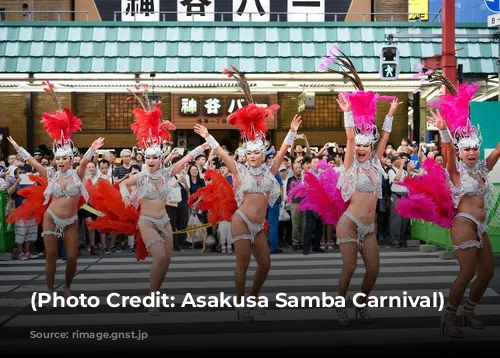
<point>472,197</point>
<point>360,181</point>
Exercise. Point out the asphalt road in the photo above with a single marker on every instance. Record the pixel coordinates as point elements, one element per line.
<point>284,327</point>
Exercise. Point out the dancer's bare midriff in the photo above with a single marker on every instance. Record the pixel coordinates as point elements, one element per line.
<point>154,208</point>
<point>255,207</point>
<point>64,207</point>
<point>472,205</point>
<point>363,206</point>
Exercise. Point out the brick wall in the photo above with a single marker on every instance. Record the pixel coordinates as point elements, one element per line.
<point>39,5</point>
<point>12,115</point>
<point>391,7</point>
<point>89,107</point>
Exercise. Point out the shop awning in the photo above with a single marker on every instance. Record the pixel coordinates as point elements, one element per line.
<point>121,47</point>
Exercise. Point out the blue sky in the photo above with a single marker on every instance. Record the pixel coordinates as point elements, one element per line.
<point>465,10</point>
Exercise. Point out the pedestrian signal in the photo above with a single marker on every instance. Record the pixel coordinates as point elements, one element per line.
<point>389,63</point>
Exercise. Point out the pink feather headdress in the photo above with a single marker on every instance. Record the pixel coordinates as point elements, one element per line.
<point>60,125</point>
<point>454,108</point>
<point>363,103</point>
<point>147,126</point>
<point>250,119</point>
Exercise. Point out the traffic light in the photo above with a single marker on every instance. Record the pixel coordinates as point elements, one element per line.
<point>389,63</point>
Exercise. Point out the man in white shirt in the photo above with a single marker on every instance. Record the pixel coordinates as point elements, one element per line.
<point>398,224</point>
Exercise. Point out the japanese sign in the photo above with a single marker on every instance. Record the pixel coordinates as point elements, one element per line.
<point>195,10</point>
<point>418,10</point>
<point>251,10</point>
<point>140,10</point>
<point>260,11</point>
<point>306,10</point>
<point>211,110</point>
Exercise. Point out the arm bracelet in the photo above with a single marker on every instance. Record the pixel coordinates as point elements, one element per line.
<point>387,126</point>
<point>290,137</point>
<point>89,154</point>
<point>23,153</point>
<point>445,135</point>
<point>212,142</point>
<point>124,192</point>
<point>197,151</point>
<point>348,120</point>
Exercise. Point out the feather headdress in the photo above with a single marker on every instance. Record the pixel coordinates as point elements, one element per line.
<point>454,108</point>
<point>250,119</point>
<point>148,127</point>
<point>363,103</point>
<point>60,125</point>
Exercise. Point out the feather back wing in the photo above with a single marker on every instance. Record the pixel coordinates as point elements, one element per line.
<point>429,196</point>
<point>320,194</point>
<point>32,206</point>
<point>217,198</point>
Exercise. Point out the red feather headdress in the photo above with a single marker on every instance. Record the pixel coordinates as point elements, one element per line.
<point>252,118</point>
<point>60,125</point>
<point>148,127</point>
<point>454,108</point>
<point>363,103</point>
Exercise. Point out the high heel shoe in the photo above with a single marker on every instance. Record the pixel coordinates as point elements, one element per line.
<point>245,315</point>
<point>469,319</point>
<point>362,315</point>
<point>448,323</point>
<point>342,317</point>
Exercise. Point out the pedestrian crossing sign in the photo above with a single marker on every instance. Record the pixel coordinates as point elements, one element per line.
<point>389,63</point>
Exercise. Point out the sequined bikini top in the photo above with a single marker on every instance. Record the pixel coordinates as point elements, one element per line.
<point>155,185</point>
<point>69,189</point>
<point>256,180</point>
<point>469,184</point>
<point>357,178</point>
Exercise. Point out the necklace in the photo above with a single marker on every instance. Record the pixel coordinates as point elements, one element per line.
<point>65,182</point>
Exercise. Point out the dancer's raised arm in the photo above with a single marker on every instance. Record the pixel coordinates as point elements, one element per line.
<point>191,156</point>
<point>287,143</point>
<point>345,106</point>
<point>89,154</point>
<point>387,128</point>
<point>27,156</point>
<point>217,149</point>
<point>493,158</point>
<point>437,121</point>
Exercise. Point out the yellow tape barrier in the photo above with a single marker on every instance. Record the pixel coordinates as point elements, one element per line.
<point>185,231</point>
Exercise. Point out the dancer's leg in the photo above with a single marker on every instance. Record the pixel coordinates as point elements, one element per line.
<point>243,249</point>
<point>155,244</point>
<point>70,241</point>
<point>260,251</point>
<point>346,240</point>
<point>370,254</point>
<point>51,250</point>
<point>462,230</point>
<point>485,272</point>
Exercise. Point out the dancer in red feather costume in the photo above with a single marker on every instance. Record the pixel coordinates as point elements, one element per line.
<point>255,187</point>
<point>466,201</point>
<point>63,191</point>
<point>360,180</point>
<point>150,221</point>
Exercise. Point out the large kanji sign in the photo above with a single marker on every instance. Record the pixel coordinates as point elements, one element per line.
<point>212,110</point>
<point>140,10</point>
